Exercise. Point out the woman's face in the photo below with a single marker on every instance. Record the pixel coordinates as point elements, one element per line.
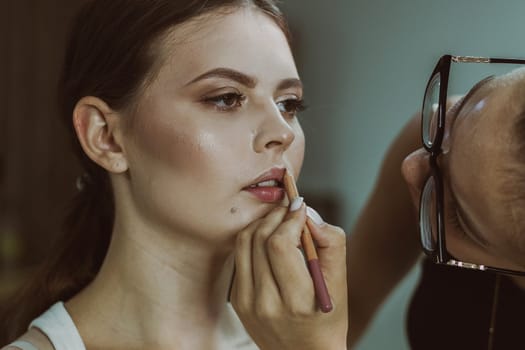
<point>481,167</point>
<point>219,118</point>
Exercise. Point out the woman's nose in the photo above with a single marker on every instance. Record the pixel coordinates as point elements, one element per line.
<point>416,170</point>
<point>274,132</point>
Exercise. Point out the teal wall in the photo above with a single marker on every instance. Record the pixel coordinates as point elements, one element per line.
<point>365,65</point>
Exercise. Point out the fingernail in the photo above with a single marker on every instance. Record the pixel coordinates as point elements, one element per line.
<point>296,203</point>
<point>312,214</point>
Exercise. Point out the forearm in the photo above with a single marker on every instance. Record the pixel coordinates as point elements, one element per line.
<point>384,244</point>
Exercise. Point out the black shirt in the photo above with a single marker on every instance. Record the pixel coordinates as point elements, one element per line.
<point>451,309</point>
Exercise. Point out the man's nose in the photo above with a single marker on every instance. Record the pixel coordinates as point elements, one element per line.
<point>416,170</point>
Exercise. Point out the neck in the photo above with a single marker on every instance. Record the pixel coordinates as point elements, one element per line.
<point>155,290</point>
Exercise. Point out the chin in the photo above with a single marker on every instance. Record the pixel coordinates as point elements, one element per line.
<point>237,219</point>
<point>247,215</point>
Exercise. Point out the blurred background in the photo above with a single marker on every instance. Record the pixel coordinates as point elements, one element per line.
<point>365,65</point>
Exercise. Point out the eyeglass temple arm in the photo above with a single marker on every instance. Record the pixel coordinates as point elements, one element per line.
<point>475,59</point>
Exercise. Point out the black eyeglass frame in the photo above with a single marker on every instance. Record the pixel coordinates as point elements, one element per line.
<point>441,255</point>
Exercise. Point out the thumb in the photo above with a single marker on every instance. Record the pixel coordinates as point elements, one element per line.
<point>330,240</point>
<point>326,236</point>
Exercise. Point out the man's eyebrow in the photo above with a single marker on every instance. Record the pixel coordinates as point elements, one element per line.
<point>469,229</point>
<point>459,210</point>
<point>227,73</point>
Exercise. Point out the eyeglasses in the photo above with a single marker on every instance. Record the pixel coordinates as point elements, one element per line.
<point>431,206</point>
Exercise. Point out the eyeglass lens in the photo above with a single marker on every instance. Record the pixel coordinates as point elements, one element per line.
<point>430,111</point>
<point>427,217</point>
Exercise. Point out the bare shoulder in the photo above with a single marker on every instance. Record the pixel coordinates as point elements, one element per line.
<point>36,338</point>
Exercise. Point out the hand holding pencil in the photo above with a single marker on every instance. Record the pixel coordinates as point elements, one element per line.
<point>282,301</point>
<point>323,298</point>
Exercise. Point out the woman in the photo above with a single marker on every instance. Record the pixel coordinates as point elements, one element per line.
<point>479,162</point>
<point>185,119</point>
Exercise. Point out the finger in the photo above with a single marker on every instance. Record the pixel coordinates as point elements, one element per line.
<point>325,235</point>
<point>242,289</point>
<point>288,265</point>
<point>330,241</point>
<point>331,249</point>
<point>266,289</point>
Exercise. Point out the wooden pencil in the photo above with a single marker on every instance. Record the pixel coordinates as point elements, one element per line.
<point>321,292</point>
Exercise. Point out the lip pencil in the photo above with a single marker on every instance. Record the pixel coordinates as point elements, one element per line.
<point>323,298</point>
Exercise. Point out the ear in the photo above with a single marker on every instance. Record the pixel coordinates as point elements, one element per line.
<point>99,131</point>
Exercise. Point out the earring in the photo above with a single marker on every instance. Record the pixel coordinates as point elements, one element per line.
<point>119,166</point>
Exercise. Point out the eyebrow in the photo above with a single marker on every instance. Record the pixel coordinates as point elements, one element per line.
<point>459,211</point>
<point>227,73</point>
<point>466,221</point>
<point>244,79</point>
<point>290,83</point>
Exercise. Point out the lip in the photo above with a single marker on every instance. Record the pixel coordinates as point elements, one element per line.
<point>270,194</point>
<point>276,173</point>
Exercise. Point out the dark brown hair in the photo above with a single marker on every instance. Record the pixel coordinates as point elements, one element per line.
<point>110,54</point>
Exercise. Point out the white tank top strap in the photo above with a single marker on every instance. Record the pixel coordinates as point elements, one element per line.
<point>58,326</point>
<point>24,345</point>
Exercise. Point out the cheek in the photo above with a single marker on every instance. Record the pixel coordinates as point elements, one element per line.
<point>168,142</point>
<point>296,152</point>
<point>180,170</point>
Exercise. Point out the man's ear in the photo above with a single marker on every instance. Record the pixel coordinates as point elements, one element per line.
<point>99,131</point>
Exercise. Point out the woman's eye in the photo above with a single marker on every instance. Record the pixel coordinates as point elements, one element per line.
<point>291,107</point>
<point>226,102</point>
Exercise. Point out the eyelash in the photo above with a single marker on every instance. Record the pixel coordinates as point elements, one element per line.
<point>215,101</point>
<point>291,106</point>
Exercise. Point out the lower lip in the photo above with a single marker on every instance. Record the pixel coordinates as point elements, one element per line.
<point>267,194</point>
